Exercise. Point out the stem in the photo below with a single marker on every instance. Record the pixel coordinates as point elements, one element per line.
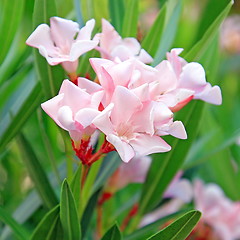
<point>130,215</point>
<point>85,170</point>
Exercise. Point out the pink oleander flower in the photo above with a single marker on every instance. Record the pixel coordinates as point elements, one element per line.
<point>191,76</point>
<point>73,109</point>
<point>128,126</point>
<point>63,42</point>
<point>179,191</point>
<point>112,46</point>
<point>133,172</point>
<point>218,212</point>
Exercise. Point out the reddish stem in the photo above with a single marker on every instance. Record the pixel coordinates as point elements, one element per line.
<point>130,215</point>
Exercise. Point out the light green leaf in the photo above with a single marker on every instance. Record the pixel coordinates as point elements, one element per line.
<point>49,228</point>
<point>19,231</point>
<point>37,173</point>
<point>9,26</point>
<point>116,10</point>
<point>19,108</point>
<point>113,233</point>
<point>68,214</point>
<point>179,229</point>
<point>130,21</point>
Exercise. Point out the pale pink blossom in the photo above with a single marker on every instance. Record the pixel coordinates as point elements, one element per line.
<point>218,211</point>
<point>191,76</point>
<point>112,46</point>
<point>133,172</point>
<point>129,126</point>
<point>73,109</point>
<point>63,42</point>
<point>179,191</point>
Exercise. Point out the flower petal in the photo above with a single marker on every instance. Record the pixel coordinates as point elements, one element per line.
<point>86,31</point>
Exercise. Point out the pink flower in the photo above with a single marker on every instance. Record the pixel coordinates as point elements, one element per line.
<point>73,109</point>
<point>133,172</point>
<point>112,46</point>
<point>219,212</point>
<point>63,42</point>
<point>128,125</point>
<point>191,77</point>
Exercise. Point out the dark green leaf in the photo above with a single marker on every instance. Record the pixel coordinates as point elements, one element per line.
<point>68,214</point>
<point>37,173</point>
<point>76,185</point>
<point>179,229</point>
<point>18,230</point>
<point>200,47</point>
<point>130,21</point>
<point>49,228</point>
<point>116,10</point>
<point>113,233</point>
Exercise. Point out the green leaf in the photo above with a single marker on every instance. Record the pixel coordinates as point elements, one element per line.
<point>148,230</point>
<point>173,8</point>
<point>76,186</point>
<point>200,47</point>
<point>50,77</point>
<point>37,173</point>
<point>116,10</point>
<point>18,230</point>
<point>9,26</point>
<point>68,214</point>
<point>179,229</point>
<point>152,40</point>
<point>165,165</point>
<point>130,20</point>
<point>19,108</point>
<point>49,227</point>
<point>113,233</point>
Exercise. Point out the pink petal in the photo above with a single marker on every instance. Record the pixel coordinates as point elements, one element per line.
<point>88,85</point>
<point>177,130</point>
<point>86,31</point>
<point>126,104</point>
<point>85,116</point>
<point>102,121</point>
<point>51,108</point>
<point>63,32</point>
<point>74,96</point>
<point>70,67</point>
<point>144,144</point>
<point>132,44</point>
<point>124,150</point>
<point>41,38</point>
<point>65,117</point>
<point>80,47</point>
<point>144,57</point>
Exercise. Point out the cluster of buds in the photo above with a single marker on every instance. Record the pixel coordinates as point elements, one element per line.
<point>131,102</point>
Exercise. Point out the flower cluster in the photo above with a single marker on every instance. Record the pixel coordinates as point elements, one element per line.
<point>130,102</point>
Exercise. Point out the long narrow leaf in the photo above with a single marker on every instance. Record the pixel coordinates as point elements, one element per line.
<point>68,214</point>
<point>37,173</point>
<point>46,229</point>
<point>113,233</point>
<point>18,230</point>
<point>179,229</point>
<point>130,20</point>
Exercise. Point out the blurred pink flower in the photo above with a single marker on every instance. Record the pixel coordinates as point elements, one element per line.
<point>63,42</point>
<point>129,126</point>
<point>112,46</point>
<point>219,212</point>
<point>133,172</point>
<point>73,109</point>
